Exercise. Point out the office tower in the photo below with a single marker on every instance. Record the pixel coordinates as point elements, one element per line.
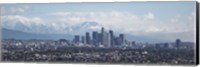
<point>111,37</point>
<point>117,40</point>
<point>122,40</point>
<point>76,38</point>
<point>125,41</point>
<point>87,38</point>
<point>102,35</point>
<point>106,39</point>
<point>178,42</point>
<point>83,40</point>
<point>94,37</point>
<point>109,40</point>
<point>99,38</point>
<point>102,29</point>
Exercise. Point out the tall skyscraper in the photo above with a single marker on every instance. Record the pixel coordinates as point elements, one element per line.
<point>111,37</point>
<point>76,38</point>
<point>178,42</point>
<point>102,35</point>
<point>94,37</point>
<point>122,40</point>
<point>116,41</point>
<point>109,40</point>
<point>88,38</point>
<point>99,38</point>
<point>106,39</point>
<point>102,29</point>
<point>83,40</point>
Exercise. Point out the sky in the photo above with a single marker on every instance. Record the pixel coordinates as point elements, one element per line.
<point>166,20</point>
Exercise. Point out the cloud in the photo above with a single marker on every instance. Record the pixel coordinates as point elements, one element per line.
<point>33,24</point>
<point>153,29</point>
<point>113,19</point>
<point>14,10</point>
<point>119,21</point>
<point>174,20</point>
<point>149,16</point>
<point>95,27</point>
<point>17,10</point>
<point>22,23</point>
<point>126,22</point>
<point>21,19</point>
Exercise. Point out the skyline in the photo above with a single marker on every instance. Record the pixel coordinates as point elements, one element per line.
<point>159,20</point>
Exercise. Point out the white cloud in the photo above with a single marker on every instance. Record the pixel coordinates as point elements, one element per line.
<point>120,21</point>
<point>153,29</point>
<point>17,10</point>
<point>14,9</point>
<point>11,21</point>
<point>174,20</point>
<point>149,16</point>
<point>114,18</point>
<point>32,24</point>
<point>126,22</point>
<point>95,27</point>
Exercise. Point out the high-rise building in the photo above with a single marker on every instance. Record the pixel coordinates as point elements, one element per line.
<point>111,37</point>
<point>83,40</point>
<point>99,38</point>
<point>76,38</point>
<point>94,37</point>
<point>106,39</point>
<point>109,40</point>
<point>88,38</point>
<point>178,42</point>
<point>122,40</point>
<point>102,29</point>
<point>102,35</point>
<point>117,41</point>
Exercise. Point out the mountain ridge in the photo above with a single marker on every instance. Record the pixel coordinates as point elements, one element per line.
<point>14,34</point>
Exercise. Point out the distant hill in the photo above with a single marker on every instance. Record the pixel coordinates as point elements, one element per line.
<point>13,34</point>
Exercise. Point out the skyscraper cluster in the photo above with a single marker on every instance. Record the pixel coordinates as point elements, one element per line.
<point>105,38</point>
<point>109,39</point>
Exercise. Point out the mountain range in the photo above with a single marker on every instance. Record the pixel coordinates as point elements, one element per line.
<point>19,30</point>
<point>13,34</point>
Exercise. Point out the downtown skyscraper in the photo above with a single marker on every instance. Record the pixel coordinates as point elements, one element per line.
<point>103,38</point>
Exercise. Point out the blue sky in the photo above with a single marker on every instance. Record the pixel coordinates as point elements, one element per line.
<point>135,18</point>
